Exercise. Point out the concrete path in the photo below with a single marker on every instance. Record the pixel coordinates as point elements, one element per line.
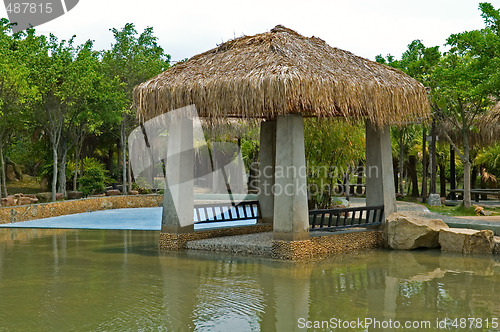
<point>147,219</point>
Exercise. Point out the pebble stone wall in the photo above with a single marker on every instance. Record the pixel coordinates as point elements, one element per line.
<point>13,214</point>
<point>174,242</point>
<point>328,245</point>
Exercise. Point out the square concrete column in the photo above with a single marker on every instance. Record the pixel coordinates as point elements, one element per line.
<point>178,199</point>
<point>291,214</point>
<point>379,172</point>
<point>267,157</point>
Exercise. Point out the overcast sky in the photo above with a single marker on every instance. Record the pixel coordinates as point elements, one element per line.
<point>189,27</point>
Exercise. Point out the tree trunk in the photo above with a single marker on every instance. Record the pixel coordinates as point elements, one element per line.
<point>77,165</point>
<point>3,186</point>
<point>467,173</point>
<point>453,178</point>
<point>432,152</point>
<point>424,165</point>
<point>395,164</point>
<point>401,161</point>
<point>473,177</point>
<point>62,168</point>
<point>123,142</point>
<point>442,179</point>
<point>119,152</point>
<point>4,174</point>
<point>54,172</point>
<point>412,172</point>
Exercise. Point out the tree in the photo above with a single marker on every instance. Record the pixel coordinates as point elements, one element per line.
<point>467,83</point>
<point>15,90</point>
<point>133,59</point>
<point>419,62</point>
<point>333,149</point>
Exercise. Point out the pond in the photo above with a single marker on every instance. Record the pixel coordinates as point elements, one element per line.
<point>91,280</point>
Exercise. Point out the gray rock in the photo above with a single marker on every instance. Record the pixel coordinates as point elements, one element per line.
<point>434,200</point>
<point>496,245</point>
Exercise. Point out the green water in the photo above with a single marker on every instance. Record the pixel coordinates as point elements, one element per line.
<point>88,280</point>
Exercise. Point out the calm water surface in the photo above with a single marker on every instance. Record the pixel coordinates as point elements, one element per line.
<point>102,280</point>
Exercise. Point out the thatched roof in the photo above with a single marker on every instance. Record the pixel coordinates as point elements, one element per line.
<point>487,129</point>
<point>489,124</point>
<point>281,72</point>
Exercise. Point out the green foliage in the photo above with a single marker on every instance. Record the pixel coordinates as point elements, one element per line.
<point>249,151</point>
<point>94,178</point>
<point>332,148</point>
<point>490,158</point>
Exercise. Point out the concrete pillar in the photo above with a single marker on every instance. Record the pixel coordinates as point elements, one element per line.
<point>267,157</point>
<point>178,199</point>
<point>291,214</point>
<point>379,172</point>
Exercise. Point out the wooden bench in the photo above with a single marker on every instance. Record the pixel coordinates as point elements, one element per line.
<point>478,192</point>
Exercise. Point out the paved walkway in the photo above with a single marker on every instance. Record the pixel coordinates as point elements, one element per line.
<point>146,219</point>
<point>150,219</point>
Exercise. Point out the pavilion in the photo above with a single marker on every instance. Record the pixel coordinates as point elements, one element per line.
<point>281,77</point>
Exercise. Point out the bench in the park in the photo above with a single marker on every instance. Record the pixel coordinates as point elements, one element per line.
<point>478,192</point>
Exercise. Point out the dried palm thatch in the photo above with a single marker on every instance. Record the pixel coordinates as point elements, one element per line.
<point>486,133</point>
<point>282,72</point>
<point>489,124</point>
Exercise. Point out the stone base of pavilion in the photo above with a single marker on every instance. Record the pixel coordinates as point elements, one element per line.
<point>258,240</point>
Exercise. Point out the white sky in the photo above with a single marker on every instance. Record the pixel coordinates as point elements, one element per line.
<point>189,27</point>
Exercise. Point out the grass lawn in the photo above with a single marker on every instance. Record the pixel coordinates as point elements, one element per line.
<point>459,210</point>
<point>29,185</point>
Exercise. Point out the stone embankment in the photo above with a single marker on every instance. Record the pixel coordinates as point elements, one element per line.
<point>10,214</point>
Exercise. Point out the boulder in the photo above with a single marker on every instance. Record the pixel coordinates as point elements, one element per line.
<point>75,194</point>
<point>434,200</point>
<point>44,197</point>
<point>466,241</point>
<point>8,201</point>
<point>24,200</point>
<point>10,173</point>
<point>113,192</point>
<point>47,197</point>
<point>405,231</point>
<point>133,192</point>
<point>496,245</point>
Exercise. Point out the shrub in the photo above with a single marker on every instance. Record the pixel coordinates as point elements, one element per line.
<point>95,177</point>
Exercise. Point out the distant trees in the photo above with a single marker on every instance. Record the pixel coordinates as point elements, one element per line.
<point>463,82</point>
<point>65,92</point>
<point>132,59</point>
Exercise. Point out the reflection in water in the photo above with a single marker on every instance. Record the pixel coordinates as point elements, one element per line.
<point>114,280</point>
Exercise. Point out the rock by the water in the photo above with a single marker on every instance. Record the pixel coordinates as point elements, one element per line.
<point>466,241</point>
<point>496,245</point>
<point>405,231</point>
